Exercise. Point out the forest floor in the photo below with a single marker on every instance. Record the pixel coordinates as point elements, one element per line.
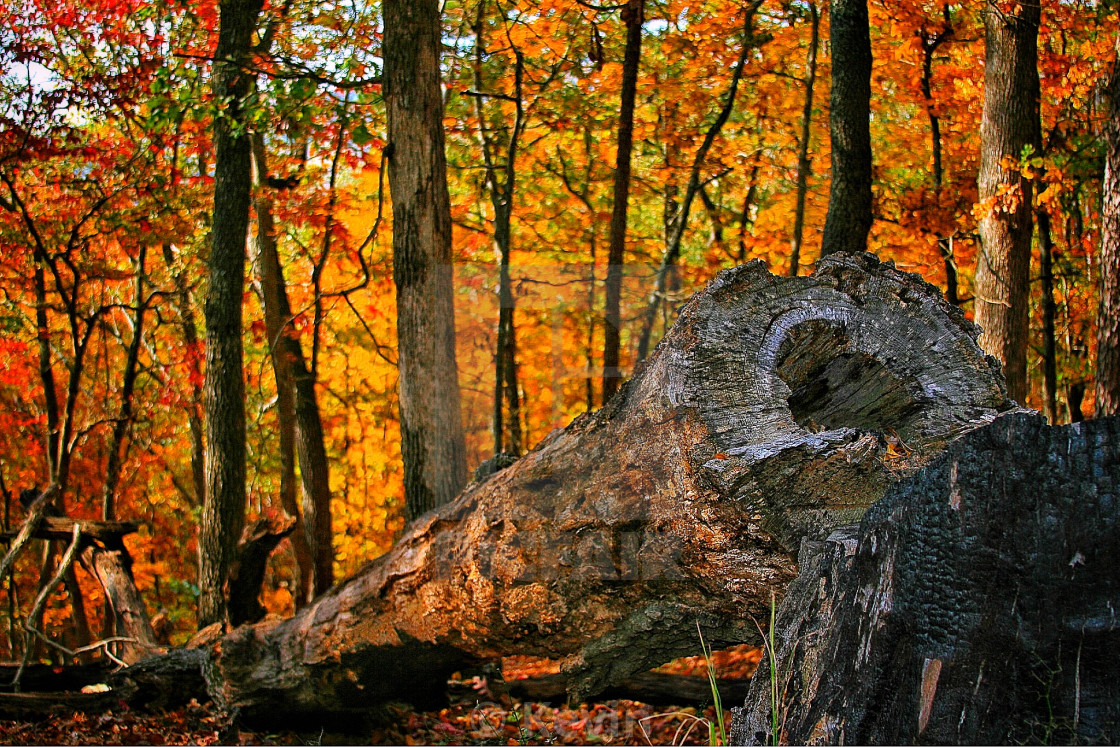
<point>491,718</point>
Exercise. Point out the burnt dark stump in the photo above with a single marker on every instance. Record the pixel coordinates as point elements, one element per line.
<point>975,603</point>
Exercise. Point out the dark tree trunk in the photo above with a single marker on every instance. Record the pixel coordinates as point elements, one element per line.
<point>268,290</point>
<point>223,509</point>
<point>1108,320</point>
<point>774,408</point>
<point>849,197</point>
<point>312,534</point>
<point>1049,313</point>
<point>973,605</point>
<point>633,14</point>
<point>804,163</point>
<point>128,385</point>
<point>247,573</point>
<point>185,309</point>
<point>501,183</point>
<point>431,423</point>
<point>931,41</point>
<point>1010,122</point>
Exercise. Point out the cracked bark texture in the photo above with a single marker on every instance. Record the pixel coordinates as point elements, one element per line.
<point>775,408</point>
<point>432,443</point>
<point>975,604</point>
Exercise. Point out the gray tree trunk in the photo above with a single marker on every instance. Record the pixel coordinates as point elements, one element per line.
<point>432,442</point>
<point>973,605</point>
<point>775,408</point>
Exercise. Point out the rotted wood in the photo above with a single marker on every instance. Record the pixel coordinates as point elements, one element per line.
<point>775,408</point>
<point>110,563</point>
<point>975,604</point>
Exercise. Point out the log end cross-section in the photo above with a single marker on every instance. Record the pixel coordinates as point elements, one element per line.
<point>775,408</point>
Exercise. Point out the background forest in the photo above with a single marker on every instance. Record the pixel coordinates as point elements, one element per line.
<point>107,174</point>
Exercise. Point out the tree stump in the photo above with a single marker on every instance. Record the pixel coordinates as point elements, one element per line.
<point>775,408</point>
<point>975,604</point>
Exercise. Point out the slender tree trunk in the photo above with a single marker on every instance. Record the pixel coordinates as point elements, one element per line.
<point>633,15</point>
<point>930,43</point>
<point>804,163</point>
<point>1049,313</point>
<point>287,354</point>
<point>431,423</point>
<point>223,510</point>
<point>679,221</point>
<point>1108,320</point>
<point>849,198</point>
<point>583,194</point>
<point>1010,120</point>
<point>501,191</point>
<point>194,409</point>
<point>745,219</point>
<point>128,384</point>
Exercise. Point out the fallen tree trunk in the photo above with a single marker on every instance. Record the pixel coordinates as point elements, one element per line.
<point>975,604</point>
<point>775,408</point>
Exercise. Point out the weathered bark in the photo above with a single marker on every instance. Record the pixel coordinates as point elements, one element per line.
<point>432,442</point>
<point>633,15</point>
<point>774,408</point>
<point>1108,320</point>
<point>223,508</point>
<point>973,605</point>
<point>804,164</point>
<point>849,196</point>
<point>1010,122</point>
